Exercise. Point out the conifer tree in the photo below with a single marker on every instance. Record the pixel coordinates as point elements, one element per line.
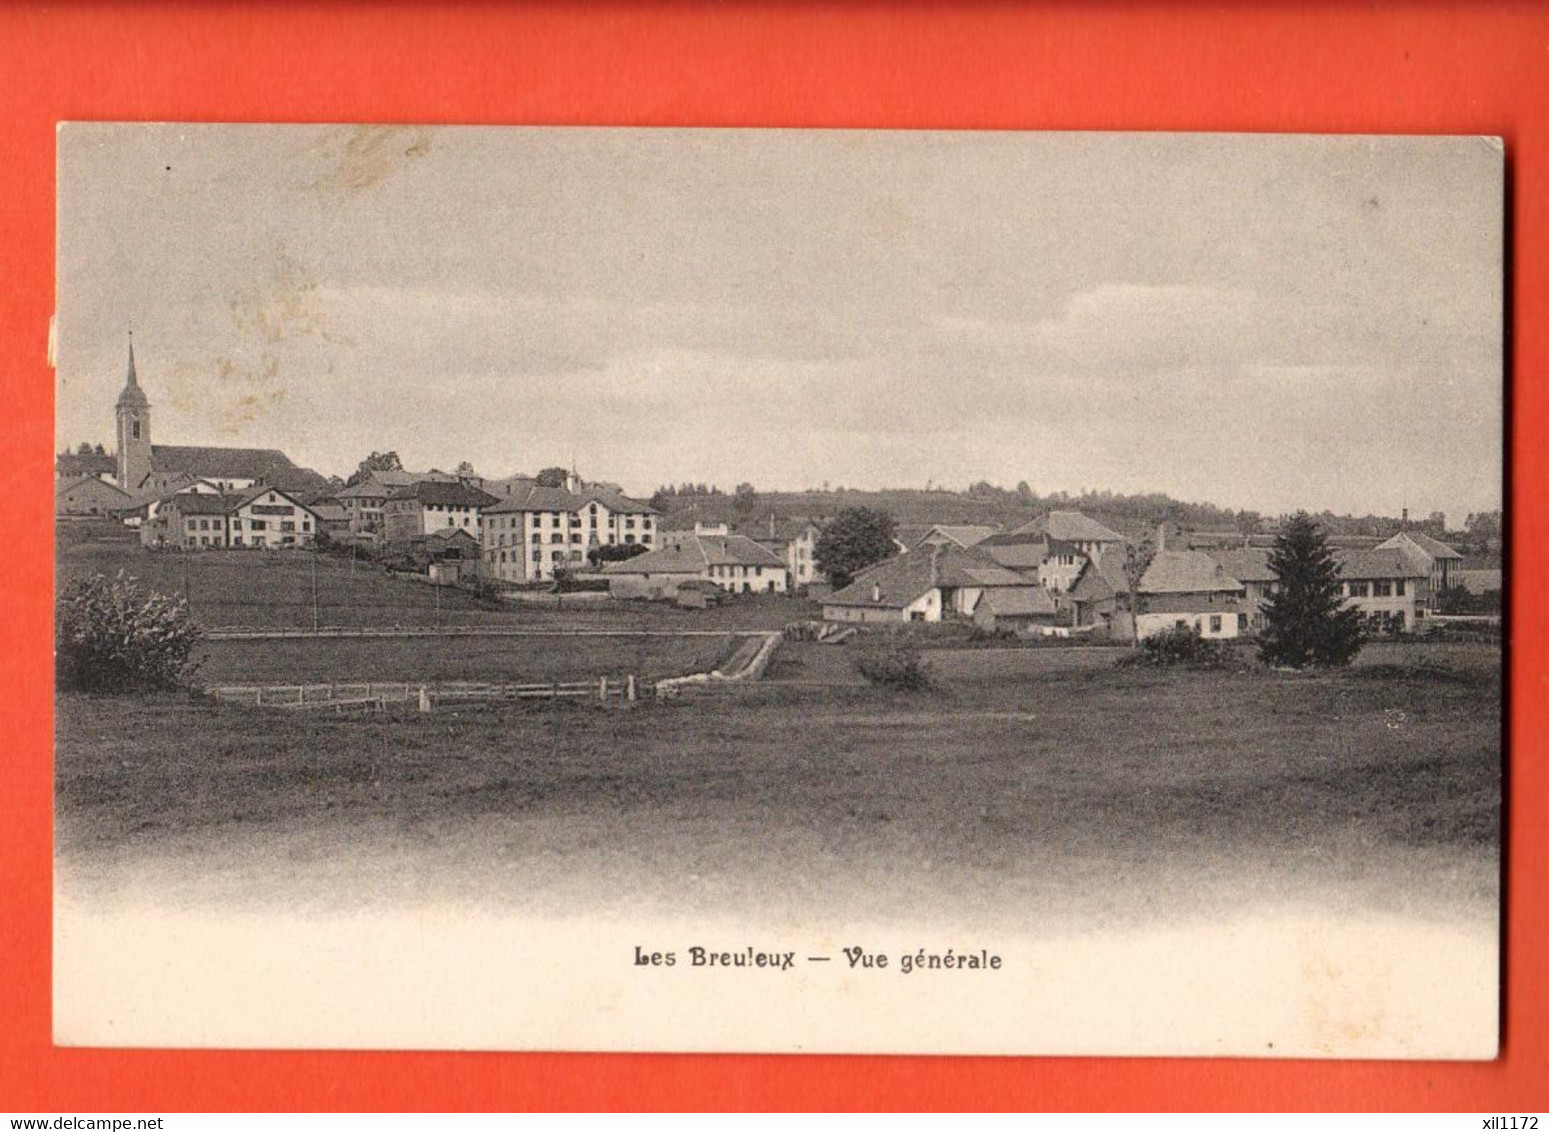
<point>1306,622</point>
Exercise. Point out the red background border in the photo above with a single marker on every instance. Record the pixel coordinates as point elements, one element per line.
<point>1444,67</point>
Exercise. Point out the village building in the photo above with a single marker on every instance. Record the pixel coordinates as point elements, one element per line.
<point>259,518</point>
<point>551,530</point>
<point>1390,586</point>
<point>429,506</point>
<point>733,563</point>
<point>364,500</point>
<point>1443,563</point>
<point>1250,566</point>
<point>88,497</point>
<point>76,465</point>
<point>936,582</point>
<point>1099,598</point>
<point>1188,589</point>
<point>962,535</point>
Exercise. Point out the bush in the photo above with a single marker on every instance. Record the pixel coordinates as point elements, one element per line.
<point>110,636</point>
<point>895,662</point>
<point>1180,647</point>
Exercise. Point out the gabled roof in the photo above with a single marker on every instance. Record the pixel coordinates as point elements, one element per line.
<point>1100,580</point>
<point>219,463</point>
<point>963,534</point>
<point>437,493</point>
<point>202,504</point>
<point>1435,548</point>
<point>1015,555</point>
<point>1186,572</point>
<point>892,584</point>
<point>1218,602</point>
<point>694,554</point>
<point>257,491</point>
<point>558,499</point>
<point>1069,526</point>
<point>1019,601</point>
<point>66,487</point>
<point>1392,562</point>
<point>1246,564</point>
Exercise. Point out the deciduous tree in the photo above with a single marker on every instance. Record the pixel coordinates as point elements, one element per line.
<point>856,538</point>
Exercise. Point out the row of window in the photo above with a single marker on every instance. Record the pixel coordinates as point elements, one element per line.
<point>252,524</point>
<point>1393,588</point>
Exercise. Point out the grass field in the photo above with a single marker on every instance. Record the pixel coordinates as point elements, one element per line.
<point>347,659</point>
<point>1119,793</point>
<point>273,589</point>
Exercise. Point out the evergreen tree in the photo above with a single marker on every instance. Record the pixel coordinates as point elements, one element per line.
<point>1306,622</point>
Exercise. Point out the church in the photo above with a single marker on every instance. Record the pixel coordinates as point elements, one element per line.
<point>148,471</point>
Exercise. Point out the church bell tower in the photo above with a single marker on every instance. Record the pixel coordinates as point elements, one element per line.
<point>134,430</point>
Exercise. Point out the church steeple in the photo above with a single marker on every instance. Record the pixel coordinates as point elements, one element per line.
<point>134,430</point>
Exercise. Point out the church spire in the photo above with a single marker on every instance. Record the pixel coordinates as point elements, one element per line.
<point>132,396</point>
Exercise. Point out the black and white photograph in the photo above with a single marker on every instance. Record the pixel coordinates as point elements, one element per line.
<point>738,590</point>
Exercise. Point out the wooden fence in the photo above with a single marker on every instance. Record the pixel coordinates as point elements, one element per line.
<point>376,695</point>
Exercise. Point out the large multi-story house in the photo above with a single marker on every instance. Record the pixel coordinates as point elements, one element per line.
<point>1443,564</point>
<point>431,506</point>
<point>547,530</point>
<point>260,517</point>
<point>1054,547</point>
<point>363,501</point>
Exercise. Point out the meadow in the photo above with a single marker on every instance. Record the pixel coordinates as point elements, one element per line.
<point>1110,792</point>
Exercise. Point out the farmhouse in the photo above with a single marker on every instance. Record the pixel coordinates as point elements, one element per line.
<point>933,583</point>
<point>74,465</point>
<point>1189,589</point>
<point>1250,566</point>
<point>86,497</point>
<point>1099,597</point>
<point>733,563</point>
<point>528,538</point>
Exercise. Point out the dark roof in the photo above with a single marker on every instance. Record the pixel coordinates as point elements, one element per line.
<point>1220,602</point>
<point>1186,572</point>
<point>1100,579</point>
<point>1246,564</point>
<point>437,493</point>
<point>892,584</point>
<point>69,465</point>
<point>203,503</point>
<point>558,499</point>
<point>1018,601</point>
<point>220,463</point>
<point>963,534</point>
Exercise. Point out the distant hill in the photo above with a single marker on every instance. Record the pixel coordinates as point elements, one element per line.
<point>1132,515</point>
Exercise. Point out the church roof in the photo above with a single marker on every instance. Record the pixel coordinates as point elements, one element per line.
<point>219,463</point>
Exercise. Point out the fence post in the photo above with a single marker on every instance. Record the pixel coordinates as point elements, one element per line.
<point>260,701</point>
<point>424,699</point>
<point>602,690</point>
<point>629,687</point>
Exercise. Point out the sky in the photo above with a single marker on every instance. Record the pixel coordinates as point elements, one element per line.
<point>1257,321</point>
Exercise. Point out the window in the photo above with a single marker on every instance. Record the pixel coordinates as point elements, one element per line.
<point>1398,588</point>
<point>1215,622</point>
<point>1382,589</point>
<point>1358,589</point>
<point>258,525</point>
<point>193,525</point>
<point>134,428</point>
<point>288,525</point>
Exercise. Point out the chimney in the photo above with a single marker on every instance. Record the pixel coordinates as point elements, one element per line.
<point>935,570</point>
<point>1405,524</point>
<point>1161,537</point>
<point>771,525</point>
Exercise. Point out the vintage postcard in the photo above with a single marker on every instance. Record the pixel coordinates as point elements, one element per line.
<point>774,590</point>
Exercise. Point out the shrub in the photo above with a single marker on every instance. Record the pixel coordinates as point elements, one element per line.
<point>894,662</point>
<point>110,636</point>
<point>1179,647</point>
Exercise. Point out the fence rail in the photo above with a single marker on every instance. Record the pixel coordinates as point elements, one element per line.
<point>378,694</point>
